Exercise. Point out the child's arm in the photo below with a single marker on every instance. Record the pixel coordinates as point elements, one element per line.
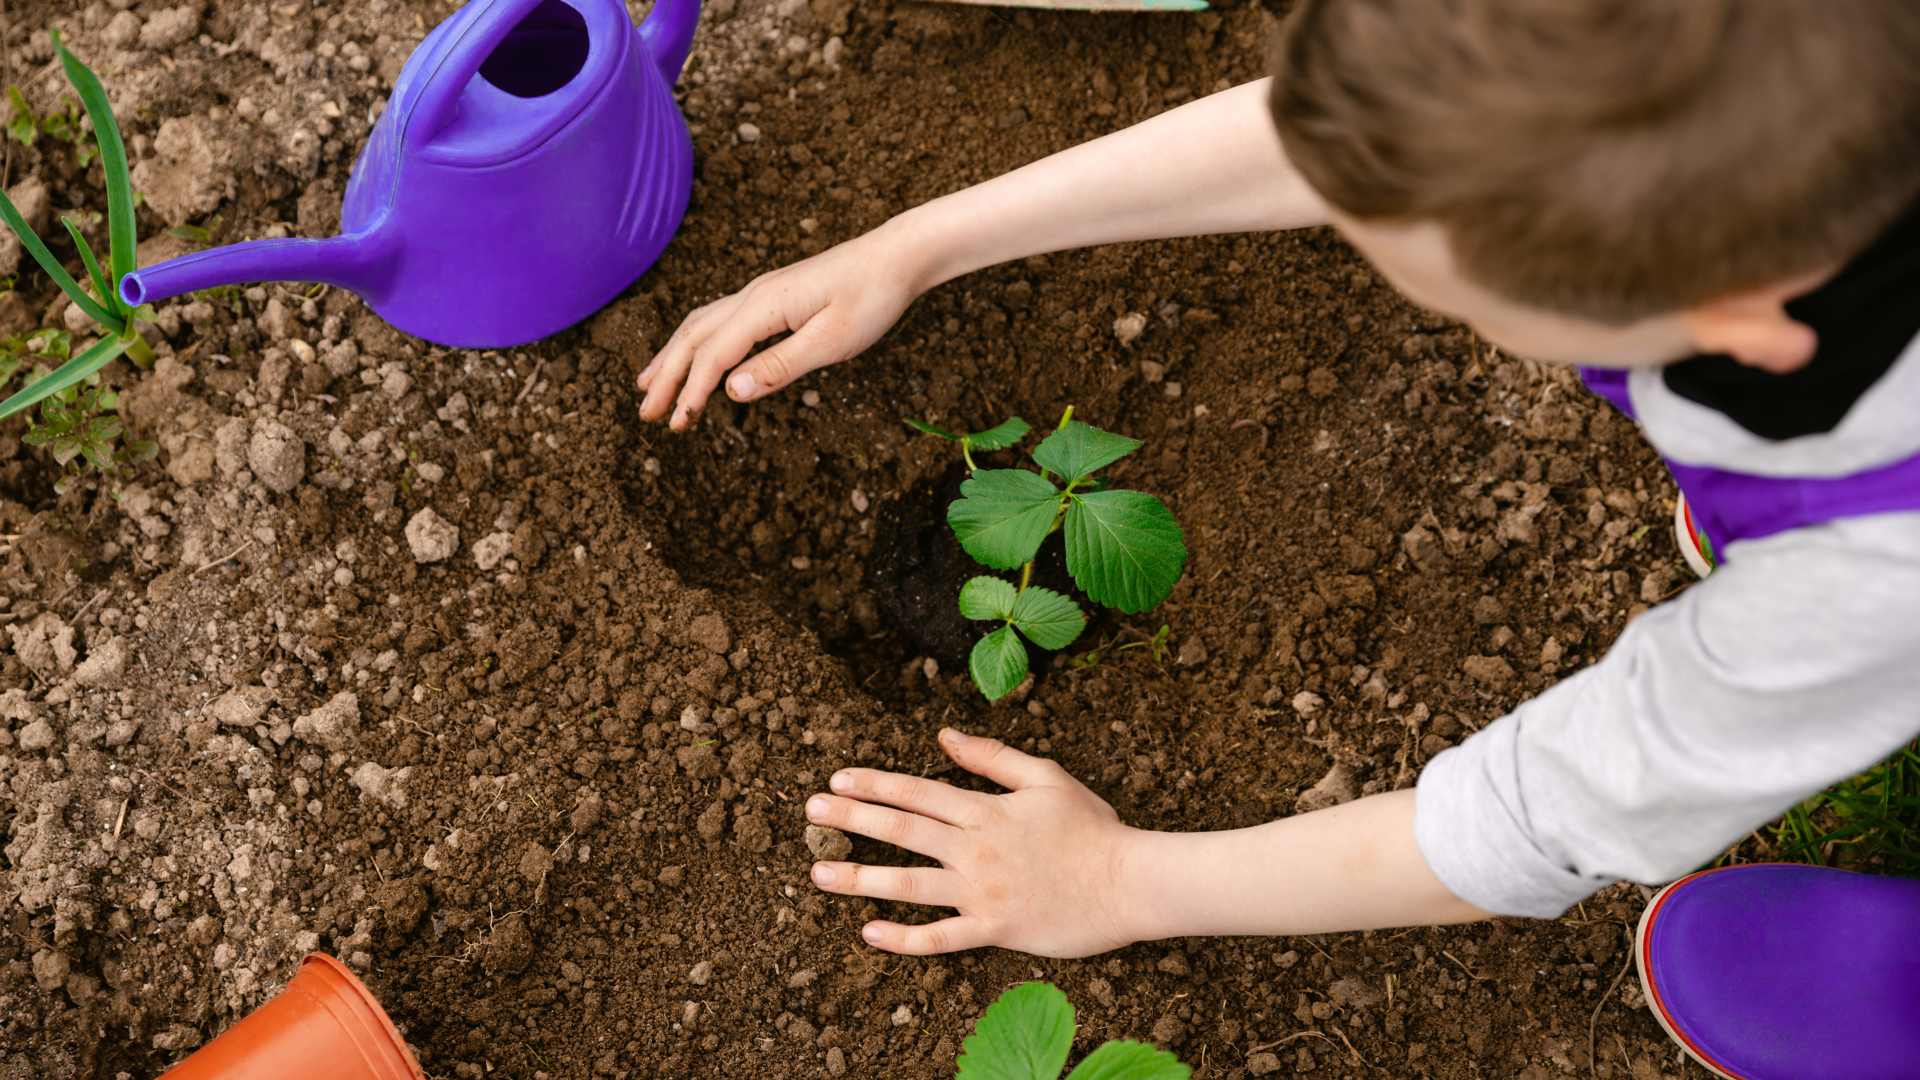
<point>1048,868</point>
<point>1211,166</point>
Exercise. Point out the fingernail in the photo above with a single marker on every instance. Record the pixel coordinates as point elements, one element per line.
<point>822,874</point>
<point>816,807</point>
<point>840,782</point>
<point>951,736</point>
<point>871,933</point>
<point>740,384</point>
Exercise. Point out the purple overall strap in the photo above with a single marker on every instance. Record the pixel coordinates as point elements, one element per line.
<point>1731,506</point>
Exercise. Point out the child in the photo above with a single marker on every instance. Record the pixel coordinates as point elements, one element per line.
<point>1716,204</point>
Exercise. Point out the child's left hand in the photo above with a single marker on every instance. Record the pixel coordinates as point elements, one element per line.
<point>1038,869</point>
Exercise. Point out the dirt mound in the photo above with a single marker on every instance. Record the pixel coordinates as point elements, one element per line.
<point>512,703</point>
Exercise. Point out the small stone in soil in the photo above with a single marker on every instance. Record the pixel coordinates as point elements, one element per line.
<point>1129,327</point>
<point>701,973</point>
<point>831,845</point>
<point>902,1016</point>
<point>489,550</point>
<point>277,456</point>
<point>431,538</point>
<point>1332,789</point>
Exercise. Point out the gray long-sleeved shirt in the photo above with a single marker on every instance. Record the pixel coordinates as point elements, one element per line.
<point>1795,665</point>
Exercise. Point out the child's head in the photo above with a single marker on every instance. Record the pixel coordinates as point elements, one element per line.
<point>1608,181</point>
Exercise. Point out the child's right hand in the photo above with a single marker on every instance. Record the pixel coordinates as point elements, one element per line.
<point>836,303</point>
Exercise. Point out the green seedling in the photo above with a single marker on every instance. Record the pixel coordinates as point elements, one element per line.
<point>22,126</point>
<point>1027,1033</point>
<point>1158,643</point>
<point>118,320</point>
<point>1870,822</point>
<point>79,425</point>
<point>1124,548</point>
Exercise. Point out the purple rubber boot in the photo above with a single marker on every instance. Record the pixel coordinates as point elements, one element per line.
<point>1784,972</point>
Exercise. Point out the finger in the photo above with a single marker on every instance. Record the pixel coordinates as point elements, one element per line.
<point>923,836</point>
<point>948,935</point>
<point>670,365</point>
<point>930,798</point>
<point>751,321</point>
<point>909,885</point>
<point>999,762</point>
<point>809,349</point>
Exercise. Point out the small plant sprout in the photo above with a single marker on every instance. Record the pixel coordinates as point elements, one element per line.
<point>998,437</point>
<point>118,320</point>
<point>1028,1032</point>
<point>1124,548</point>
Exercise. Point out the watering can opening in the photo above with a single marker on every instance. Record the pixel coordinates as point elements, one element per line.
<point>541,54</point>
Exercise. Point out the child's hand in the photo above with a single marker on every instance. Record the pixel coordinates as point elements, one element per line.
<point>1037,869</point>
<point>836,303</point>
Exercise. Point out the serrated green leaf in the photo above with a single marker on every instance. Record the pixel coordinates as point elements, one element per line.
<point>113,160</point>
<point>929,429</point>
<point>1124,1059</point>
<point>1124,548</point>
<point>1047,618</point>
<point>52,345</point>
<point>73,371</point>
<point>985,597</point>
<point>998,663</point>
<point>1078,449</point>
<point>1024,1035</point>
<point>20,122</point>
<point>1001,435</point>
<point>1002,515</point>
<point>11,215</point>
<point>100,286</point>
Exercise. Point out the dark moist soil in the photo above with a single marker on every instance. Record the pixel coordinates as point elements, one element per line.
<point>543,794</point>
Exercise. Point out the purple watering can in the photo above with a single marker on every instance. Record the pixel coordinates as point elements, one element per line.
<point>530,165</point>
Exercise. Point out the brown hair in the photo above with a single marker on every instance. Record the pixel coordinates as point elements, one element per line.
<point>1612,158</point>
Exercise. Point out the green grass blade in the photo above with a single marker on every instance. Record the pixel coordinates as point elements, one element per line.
<point>87,256</point>
<point>11,215</point>
<point>113,159</point>
<point>103,352</point>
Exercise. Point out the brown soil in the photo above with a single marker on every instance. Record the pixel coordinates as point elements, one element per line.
<point>550,809</point>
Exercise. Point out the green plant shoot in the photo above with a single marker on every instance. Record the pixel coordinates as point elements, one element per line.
<point>1027,1033</point>
<point>119,320</point>
<point>1124,548</point>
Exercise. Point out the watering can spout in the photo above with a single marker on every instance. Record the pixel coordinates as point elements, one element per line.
<point>668,32</point>
<point>358,262</point>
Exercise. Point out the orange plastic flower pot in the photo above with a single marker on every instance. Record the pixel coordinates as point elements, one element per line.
<point>324,1026</point>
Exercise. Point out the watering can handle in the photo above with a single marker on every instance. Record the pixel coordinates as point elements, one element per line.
<point>486,24</point>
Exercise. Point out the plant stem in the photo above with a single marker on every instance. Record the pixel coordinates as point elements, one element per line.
<point>1064,417</point>
<point>1026,575</point>
<point>966,451</point>
<point>137,347</point>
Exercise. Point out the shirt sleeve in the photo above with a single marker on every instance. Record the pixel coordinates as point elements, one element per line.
<point>1797,664</point>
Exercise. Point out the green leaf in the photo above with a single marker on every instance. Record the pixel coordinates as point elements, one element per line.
<point>11,215</point>
<point>52,344</point>
<point>100,286</point>
<point>1124,548</point>
<point>104,429</point>
<point>65,449</point>
<point>20,122</point>
<point>997,665</point>
<point>73,371</point>
<point>99,455</point>
<point>1002,515</point>
<point>1025,1035</point>
<point>113,159</point>
<point>9,364</point>
<point>1000,436</point>
<point>1078,449</point>
<point>1124,1059</point>
<point>985,597</point>
<point>1049,619</point>
<point>928,429</point>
